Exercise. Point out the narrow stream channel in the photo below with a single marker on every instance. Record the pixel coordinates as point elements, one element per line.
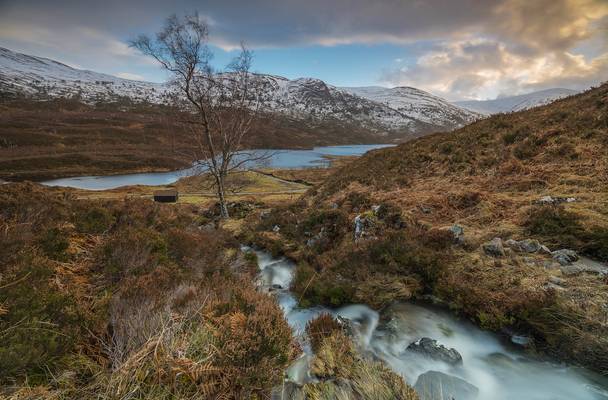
<point>500,371</point>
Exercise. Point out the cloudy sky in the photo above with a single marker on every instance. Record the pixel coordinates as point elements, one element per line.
<point>459,49</point>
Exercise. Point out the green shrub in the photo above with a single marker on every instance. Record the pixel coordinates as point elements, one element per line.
<point>397,254</point>
<point>321,288</point>
<point>54,243</point>
<point>41,325</point>
<point>96,220</point>
<point>596,244</point>
<point>556,225</point>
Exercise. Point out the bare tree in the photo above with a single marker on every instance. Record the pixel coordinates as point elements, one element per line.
<point>220,105</point>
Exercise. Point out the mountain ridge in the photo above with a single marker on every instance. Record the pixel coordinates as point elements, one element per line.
<point>417,113</point>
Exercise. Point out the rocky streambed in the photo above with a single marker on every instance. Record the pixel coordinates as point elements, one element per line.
<point>441,356</point>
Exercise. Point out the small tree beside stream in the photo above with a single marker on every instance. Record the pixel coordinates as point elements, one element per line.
<point>220,106</point>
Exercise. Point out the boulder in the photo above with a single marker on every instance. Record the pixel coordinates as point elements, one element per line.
<point>458,233</point>
<point>435,385</point>
<point>276,228</point>
<point>494,248</point>
<point>579,267</point>
<point>565,256</point>
<point>549,200</point>
<point>524,246</point>
<point>359,226</point>
<point>430,348</point>
<point>363,223</point>
<point>557,281</point>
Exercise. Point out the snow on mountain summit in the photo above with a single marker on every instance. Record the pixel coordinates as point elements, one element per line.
<point>516,103</point>
<point>417,104</point>
<point>403,109</point>
<point>38,76</point>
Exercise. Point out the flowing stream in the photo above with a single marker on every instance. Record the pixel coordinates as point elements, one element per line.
<point>499,370</point>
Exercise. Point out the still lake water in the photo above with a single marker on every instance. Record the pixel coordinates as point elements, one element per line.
<point>317,157</point>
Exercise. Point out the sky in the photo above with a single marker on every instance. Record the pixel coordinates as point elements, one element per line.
<point>457,49</point>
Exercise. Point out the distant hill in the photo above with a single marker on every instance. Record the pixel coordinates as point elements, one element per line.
<point>516,103</point>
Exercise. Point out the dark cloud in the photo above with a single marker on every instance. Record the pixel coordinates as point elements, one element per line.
<point>479,38</point>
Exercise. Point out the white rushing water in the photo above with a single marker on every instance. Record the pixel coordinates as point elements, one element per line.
<point>500,371</point>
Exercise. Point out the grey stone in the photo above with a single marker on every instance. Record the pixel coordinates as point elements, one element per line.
<point>361,225</point>
<point>550,264</point>
<point>494,248</point>
<point>557,281</point>
<point>553,286</point>
<point>210,227</point>
<point>545,249</point>
<point>430,348</point>
<point>458,233</point>
<point>549,200</point>
<point>425,210</point>
<point>565,256</point>
<point>435,385</point>
<point>276,228</point>
<point>584,266</point>
<point>524,246</point>
<point>521,340</point>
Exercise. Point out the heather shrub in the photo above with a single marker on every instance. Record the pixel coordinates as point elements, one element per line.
<point>254,338</point>
<point>132,251</point>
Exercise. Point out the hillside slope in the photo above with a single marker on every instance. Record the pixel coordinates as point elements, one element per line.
<point>516,103</point>
<point>419,221</point>
<point>60,138</point>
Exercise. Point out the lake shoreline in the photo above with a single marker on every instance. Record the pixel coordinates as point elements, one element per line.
<point>317,157</point>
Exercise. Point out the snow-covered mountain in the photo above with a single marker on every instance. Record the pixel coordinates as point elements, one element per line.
<point>404,110</point>
<point>38,76</point>
<point>516,103</point>
<point>417,104</point>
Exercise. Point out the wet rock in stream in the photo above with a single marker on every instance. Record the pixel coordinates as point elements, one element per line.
<point>430,348</point>
<point>434,385</point>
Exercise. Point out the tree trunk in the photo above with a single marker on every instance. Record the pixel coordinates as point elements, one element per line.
<point>222,198</point>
